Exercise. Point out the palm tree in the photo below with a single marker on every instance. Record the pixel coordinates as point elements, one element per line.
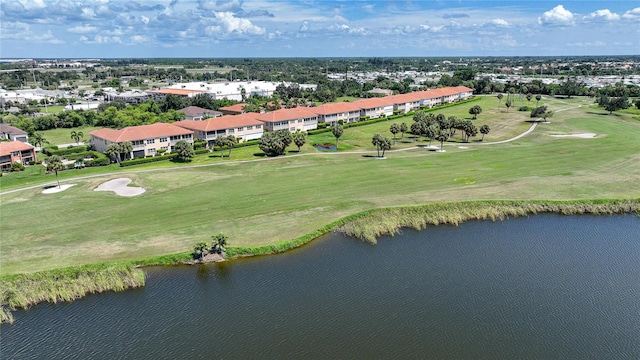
<point>221,141</point>
<point>54,163</point>
<point>484,130</point>
<point>337,131</point>
<point>77,135</point>
<point>231,142</point>
<point>394,129</point>
<point>126,148</point>
<point>500,96</point>
<point>299,138</point>
<point>39,140</point>
<point>442,136</point>
<point>403,129</point>
<point>538,98</point>
<point>508,104</point>
<point>113,151</point>
<point>200,250</point>
<point>219,243</point>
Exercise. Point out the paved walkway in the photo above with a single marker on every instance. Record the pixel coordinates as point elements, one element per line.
<point>533,126</point>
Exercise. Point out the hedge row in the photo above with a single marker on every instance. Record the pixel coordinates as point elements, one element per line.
<point>53,150</point>
<point>147,160</point>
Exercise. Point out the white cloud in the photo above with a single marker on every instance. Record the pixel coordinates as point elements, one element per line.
<point>232,24</point>
<point>556,16</point>
<point>82,29</point>
<point>588,44</point>
<point>604,14</point>
<point>500,22</point>
<point>632,14</point>
<point>32,4</point>
<point>99,39</point>
<point>304,27</point>
<point>139,38</point>
<point>144,19</point>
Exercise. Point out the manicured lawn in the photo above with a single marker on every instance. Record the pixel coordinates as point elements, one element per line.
<point>266,201</point>
<point>51,109</point>
<point>63,135</point>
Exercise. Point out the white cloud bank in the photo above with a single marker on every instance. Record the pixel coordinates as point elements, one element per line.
<point>558,16</point>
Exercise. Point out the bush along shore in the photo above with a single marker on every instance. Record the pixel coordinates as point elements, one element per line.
<point>25,290</point>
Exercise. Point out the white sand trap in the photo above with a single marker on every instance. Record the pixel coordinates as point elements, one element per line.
<point>581,136</point>
<point>119,186</point>
<point>56,189</point>
<point>463,147</point>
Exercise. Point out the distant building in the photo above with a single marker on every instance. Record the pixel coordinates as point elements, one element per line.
<point>146,139</point>
<point>8,132</point>
<point>198,113</point>
<point>16,151</point>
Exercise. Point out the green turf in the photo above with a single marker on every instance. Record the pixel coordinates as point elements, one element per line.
<point>263,202</point>
<point>63,136</point>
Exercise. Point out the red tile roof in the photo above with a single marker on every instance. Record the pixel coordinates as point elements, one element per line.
<point>219,123</point>
<point>140,132</point>
<point>335,108</point>
<point>373,102</point>
<point>236,108</point>
<point>7,148</point>
<point>285,114</point>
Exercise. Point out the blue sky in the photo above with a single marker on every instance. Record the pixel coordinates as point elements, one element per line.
<point>308,28</point>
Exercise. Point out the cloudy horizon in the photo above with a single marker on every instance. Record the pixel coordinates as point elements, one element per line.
<point>307,28</point>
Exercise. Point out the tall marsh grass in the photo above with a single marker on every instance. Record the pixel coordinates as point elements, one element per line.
<point>25,290</point>
<point>372,224</point>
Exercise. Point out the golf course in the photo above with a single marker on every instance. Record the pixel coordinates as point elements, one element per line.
<point>581,153</point>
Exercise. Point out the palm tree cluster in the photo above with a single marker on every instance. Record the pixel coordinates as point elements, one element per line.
<point>381,143</point>
<point>119,151</point>
<point>274,143</point>
<point>217,246</point>
<point>226,141</point>
<point>438,126</point>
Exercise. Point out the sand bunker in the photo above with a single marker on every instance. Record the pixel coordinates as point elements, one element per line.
<point>56,189</point>
<point>119,186</point>
<point>581,136</point>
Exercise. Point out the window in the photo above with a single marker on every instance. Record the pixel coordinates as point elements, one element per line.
<point>240,129</point>
<point>151,141</point>
<point>15,153</point>
<point>292,129</point>
<point>137,142</point>
<point>164,148</point>
<point>249,127</point>
<point>152,151</point>
<point>230,131</point>
<point>163,139</point>
<point>258,126</point>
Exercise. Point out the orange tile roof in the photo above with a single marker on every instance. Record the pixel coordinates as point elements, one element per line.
<point>335,108</point>
<point>236,107</point>
<point>183,92</point>
<point>7,148</point>
<point>373,102</point>
<point>140,132</point>
<point>219,123</point>
<point>285,114</point>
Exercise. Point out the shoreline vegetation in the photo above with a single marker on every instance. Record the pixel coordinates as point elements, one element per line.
<point>21,291</point>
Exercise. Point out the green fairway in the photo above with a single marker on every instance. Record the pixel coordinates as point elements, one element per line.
<point>262,202</point>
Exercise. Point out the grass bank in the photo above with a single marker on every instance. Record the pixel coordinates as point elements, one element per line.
<point>67,284</point>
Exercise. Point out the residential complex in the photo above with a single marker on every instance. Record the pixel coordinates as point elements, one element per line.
<point>15,151</point>
<point>11,133</point>
<point>146,139</point>
<point>245,127</point>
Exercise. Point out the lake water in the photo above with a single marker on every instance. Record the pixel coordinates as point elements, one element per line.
<point>543,287</point>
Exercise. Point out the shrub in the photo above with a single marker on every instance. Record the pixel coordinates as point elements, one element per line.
<point>146,160</point>
<point>53,150</point>
<point>16,166</point>
<point>323,125</point>
<point>199,144</point>
<point>525,108</point>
